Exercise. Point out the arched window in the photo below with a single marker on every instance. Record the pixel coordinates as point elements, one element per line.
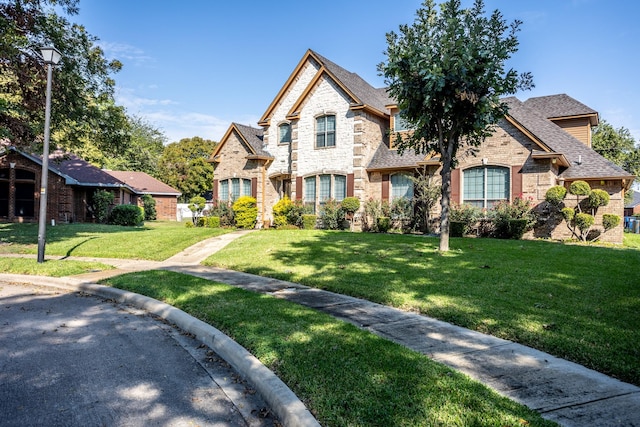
<point>484,186</point>
<point>401,186</point>
<point>326,131</point>
<point>284,133</point>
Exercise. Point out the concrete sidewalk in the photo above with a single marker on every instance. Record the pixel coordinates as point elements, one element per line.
<point>562,391</point>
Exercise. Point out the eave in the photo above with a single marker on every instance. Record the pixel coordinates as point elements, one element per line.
<point>593,118</point>
<point>556,158</point>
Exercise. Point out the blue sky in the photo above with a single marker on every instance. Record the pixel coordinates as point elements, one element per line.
<point>191,68</point>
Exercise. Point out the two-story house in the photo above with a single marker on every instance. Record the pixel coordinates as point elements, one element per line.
<point>326,135</point>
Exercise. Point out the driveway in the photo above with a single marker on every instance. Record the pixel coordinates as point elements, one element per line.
<point>68,359</point>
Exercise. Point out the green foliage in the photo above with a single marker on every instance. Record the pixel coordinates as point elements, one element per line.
<point>350,204</point>
<point>102,201</point>
<point>465,214</point>
<point>555,195</point>
<point>383,224</point>
<point>331,215</point>
<point>374,209</point>
<point>447,74</point>
<point>579,188</point>
<point>82,81</point>
<point>584,221</point>
<point>598,198</point>
<point>281,212</point>
<point>245,210</point>
<point>616,145</point>
<point>610,221</point>
<point>568,214</point>
<point>425,196</point>
<point>189,224</point>
<point>309,221</point>
<point>224,212</point>
<point>149,206</point>
<point>183,165</point>
<point>512,220</point>
<point>126,215</point>
<point>196,206</point>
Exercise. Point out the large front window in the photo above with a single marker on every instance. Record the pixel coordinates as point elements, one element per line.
<point>401,187</point>
<point>326,131</point>
<point>485,186</point>
<point>320,188</point>
<point>231,189</point>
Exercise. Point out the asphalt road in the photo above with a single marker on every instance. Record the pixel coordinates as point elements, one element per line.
<point>68,359</point>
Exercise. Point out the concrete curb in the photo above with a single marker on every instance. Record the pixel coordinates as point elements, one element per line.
<point>282,401</point>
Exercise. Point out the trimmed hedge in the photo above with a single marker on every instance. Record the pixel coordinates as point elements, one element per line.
<point>127,215</point>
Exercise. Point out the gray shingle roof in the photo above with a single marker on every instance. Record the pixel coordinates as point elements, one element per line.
<point>384,158</point>
<point>143,183</point>
<point>254,137</point>
<point>561,105</point>
<point>585,163</point>
<point>636,200</point>
<point>366,94</point>
<point>81,171</point>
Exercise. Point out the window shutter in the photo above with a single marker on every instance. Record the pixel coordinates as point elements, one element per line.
<point>299,188</point>
<point>254,188</point>
<point>455,186</point>
<point>385,187</point>
<point>350,185</point>
<point>215,190</point>
<point>516,182</point>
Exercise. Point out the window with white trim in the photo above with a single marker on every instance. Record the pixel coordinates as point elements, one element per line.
<point>284,133</point>
<point>484,186</point>
<point>326,131</point>
<point>401,186</point>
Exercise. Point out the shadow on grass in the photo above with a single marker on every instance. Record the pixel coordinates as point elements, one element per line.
<point>577,302</point>
<point>26,234</point>
<point>346,376</point>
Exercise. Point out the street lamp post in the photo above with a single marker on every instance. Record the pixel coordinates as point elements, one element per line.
<point>51,57</point>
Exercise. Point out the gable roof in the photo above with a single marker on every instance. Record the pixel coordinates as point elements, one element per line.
<point>561,106</point>
<point>143,183</point>
<point>361,93</point>
<point>251,138</point>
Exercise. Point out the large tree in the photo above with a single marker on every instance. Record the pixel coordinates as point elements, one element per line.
<point>82,102</point>
<point>616,145</point>
<point>447,73</point>
<point>184,166</point>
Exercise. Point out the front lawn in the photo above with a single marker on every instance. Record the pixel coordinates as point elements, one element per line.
<point>154,241</point>
<point>345,376</point>
<point>577,302</point>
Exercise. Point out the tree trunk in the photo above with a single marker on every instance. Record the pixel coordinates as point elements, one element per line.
<point>445,201</point>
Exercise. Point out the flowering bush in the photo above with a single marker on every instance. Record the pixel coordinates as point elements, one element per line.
<point>512,220</point>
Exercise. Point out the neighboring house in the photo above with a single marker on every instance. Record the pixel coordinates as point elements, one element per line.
<point>72,183</point>
<point>326,136</point>
<point>633,208</point>
<point>166,197</point>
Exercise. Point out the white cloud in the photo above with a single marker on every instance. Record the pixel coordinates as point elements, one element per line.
<point>125,53</point>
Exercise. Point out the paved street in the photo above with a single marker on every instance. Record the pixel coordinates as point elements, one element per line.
<point>75,360</point>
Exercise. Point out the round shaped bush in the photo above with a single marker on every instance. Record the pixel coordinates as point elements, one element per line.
<point>610,221</point>
<point>568,214</point>
<point>350,204</point>
<point>598,198</point>
<point>245,211</point>
<point>281,211</point>
<point>555,195</point>
<point>584,221</point>
<point>127,215</point>
<point>579,188</point>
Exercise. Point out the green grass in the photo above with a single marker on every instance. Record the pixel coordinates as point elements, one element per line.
<point>578,302</point>
<point>57,268</point>
<point>632,240</point>
<point>154,241</point>
<point>346,376</point>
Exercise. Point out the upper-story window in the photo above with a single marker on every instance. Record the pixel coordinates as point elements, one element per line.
<point>284,133</point>
<point>400,123</point>
<point>401,186</point>
<point>484,186</point>
<point>326,131</point>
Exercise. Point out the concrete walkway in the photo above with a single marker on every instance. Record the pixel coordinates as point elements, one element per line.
<point>562,391</point>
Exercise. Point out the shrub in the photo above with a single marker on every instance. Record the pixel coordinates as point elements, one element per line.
<point>555,195</point>
<point>350,204</point>
<point>245,210</point>
<point>374,209</point>
<point>610,221</point>
<point>332,215</point>
<point>213,222</point>
<point>512,220</point>
<point>149,206</point>
<point>584,221</point>
<point>296,214</point>
<point>102,200</point>
<point>383,224</point>
<point>222,210</point>
<point>281,211</point>
<point>579,188</point>
<point>466,215</point>
<point>127,215</point>
<point>456,228</point>
<point>189,224</point>
<point>308,221</point>
<point>568,214</point>
<point>196,206</point>
<point>598,198</point>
